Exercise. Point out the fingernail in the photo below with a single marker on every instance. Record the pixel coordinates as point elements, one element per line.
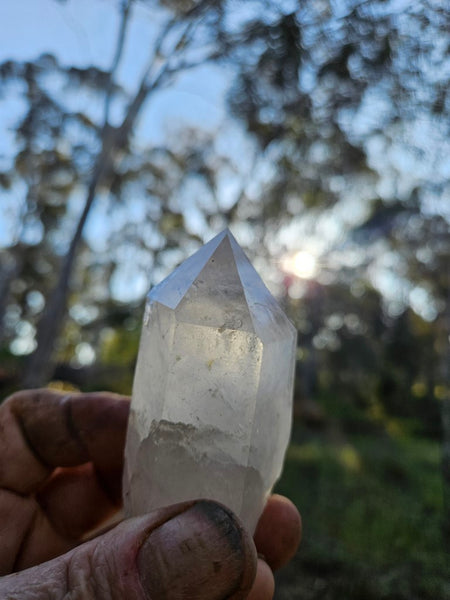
<point>201,554</point>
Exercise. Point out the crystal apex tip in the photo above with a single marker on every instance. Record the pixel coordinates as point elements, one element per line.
<point>223,234</point>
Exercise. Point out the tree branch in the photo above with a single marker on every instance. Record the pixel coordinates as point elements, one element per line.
<point>126,9</point>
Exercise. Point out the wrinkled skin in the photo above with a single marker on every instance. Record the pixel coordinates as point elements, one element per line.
<point>60,479</point>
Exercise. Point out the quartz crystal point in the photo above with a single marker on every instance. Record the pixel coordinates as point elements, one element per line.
<point>212,395</point>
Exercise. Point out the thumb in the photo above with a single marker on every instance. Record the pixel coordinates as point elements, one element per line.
<point>196,550</point>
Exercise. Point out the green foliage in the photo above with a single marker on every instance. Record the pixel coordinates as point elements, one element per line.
<point>372,511</point>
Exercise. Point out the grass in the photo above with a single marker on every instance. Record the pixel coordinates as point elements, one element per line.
<point>372,512</point>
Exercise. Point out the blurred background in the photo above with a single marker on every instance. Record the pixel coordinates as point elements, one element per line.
<point>132,131</point>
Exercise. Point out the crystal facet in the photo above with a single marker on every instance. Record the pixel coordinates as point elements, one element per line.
<point>212,395</point>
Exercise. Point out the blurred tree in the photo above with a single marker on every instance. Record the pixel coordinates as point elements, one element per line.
<point>318,86</point>
<point>169,55</point>
<point>64,151</point>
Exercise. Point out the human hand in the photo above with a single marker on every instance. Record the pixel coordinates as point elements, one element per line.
<point>61,458</point>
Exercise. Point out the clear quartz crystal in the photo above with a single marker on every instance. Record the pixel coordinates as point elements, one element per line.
<point>212,395</point>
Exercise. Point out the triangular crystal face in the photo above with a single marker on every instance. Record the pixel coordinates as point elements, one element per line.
<point>269,320</point>
<point>216,297</point>
<point>172,289</point>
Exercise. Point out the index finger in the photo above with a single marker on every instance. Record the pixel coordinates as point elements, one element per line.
<point>279,531</point>
<point>44,429</point>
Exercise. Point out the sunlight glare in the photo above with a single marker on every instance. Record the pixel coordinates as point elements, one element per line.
<point>302,264</point>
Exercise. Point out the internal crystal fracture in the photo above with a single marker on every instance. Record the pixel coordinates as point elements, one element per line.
<point>212,395</point>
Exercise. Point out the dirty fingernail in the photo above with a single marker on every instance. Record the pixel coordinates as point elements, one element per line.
<point>201,554</point>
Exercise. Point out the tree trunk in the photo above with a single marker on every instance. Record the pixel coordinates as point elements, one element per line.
<point>39,367</point>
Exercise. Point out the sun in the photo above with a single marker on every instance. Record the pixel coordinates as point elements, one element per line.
<point>303,264</point>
